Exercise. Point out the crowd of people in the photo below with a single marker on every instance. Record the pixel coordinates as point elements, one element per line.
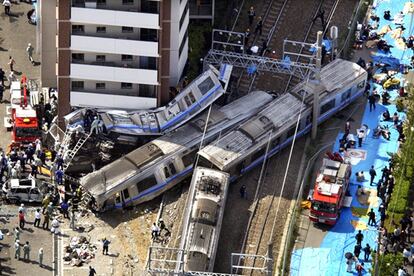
<point>383,74</point>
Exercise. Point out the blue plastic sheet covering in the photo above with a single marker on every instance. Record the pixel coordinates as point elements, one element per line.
<point>328,258</point>
<point>326,43</point>
<point>393,62</point>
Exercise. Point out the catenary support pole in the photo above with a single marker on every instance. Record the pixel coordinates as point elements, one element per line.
<point>317,82</point>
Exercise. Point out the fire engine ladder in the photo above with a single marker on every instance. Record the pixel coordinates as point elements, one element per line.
<point>75,150</point>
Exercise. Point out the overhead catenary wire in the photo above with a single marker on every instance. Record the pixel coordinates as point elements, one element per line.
<point>288,165</point>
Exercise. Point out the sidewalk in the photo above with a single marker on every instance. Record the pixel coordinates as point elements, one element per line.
<point>326,255</point>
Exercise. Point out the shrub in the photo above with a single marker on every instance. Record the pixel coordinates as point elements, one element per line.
<point>400,105</point>
<point>389,264</point>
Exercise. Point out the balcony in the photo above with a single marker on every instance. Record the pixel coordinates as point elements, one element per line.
<point>114,74</point>
<point>114,46</point>
<point>120,64</point>
<point>85,99</point>
<point>114,18</point>
<point>147,6</point>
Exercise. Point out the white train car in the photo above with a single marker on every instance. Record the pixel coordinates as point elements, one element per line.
<point>192,100</point>
<point>209,190</point>
<point>245,147</point>
<point>155,167</point>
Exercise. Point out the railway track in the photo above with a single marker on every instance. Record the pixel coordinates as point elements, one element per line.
<point>258,231</point>
<point>272,20</point>
<point>310,35</point>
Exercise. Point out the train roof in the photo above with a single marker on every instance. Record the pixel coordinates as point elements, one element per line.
<point>135,162</point>
<point>174,141</point>
<point>281,113</point>
<point>278,116</point>
<point>334,76</point>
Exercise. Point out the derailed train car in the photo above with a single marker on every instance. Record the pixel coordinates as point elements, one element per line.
<point>208,193</point>
<point>244,148</point>
<point>155,167</point>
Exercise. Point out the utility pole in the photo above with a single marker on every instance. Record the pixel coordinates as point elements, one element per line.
<point>317,81</point>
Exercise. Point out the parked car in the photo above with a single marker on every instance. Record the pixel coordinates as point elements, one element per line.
<point>25,190</point>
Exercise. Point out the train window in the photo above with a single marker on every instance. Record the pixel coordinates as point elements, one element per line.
<point>259,154</point>
<point>328,106</point>
<point>125,193</point>
<point>206,85</point>
<point>191,96</point>
<point>166,172</point>
<point>188,100</point>
<point>346,96</point>
<point>291,132</point>
<point>276,142</point>
<point>188,158</point>
<point>172,169</point>
<point>361,84</point>
<point>146,183</point>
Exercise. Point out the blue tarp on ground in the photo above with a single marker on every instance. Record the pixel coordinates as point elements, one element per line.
<point>329,258</point>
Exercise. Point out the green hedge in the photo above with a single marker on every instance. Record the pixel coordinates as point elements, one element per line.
<point>388,264</point>
<point>399,198</point>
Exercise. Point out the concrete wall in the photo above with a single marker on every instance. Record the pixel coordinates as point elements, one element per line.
<point>177,62</point>
<point>48,49</point>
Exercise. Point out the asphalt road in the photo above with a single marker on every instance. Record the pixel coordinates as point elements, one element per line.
<point>15,34</point>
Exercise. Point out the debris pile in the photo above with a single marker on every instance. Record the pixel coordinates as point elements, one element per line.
<point>79,251</point>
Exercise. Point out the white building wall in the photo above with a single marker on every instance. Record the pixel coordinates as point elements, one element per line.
<point>116,46</point>
<point>175,59</point>
<point>115,18</point>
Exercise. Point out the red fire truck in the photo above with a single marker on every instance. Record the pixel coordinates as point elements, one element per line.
<point>23,117</point>
<point>330,190</point>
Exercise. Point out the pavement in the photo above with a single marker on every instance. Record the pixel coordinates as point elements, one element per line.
<point>15,34</point>
<point>320,250</point>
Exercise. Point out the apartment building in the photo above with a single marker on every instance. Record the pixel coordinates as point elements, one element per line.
<point>121,54</point>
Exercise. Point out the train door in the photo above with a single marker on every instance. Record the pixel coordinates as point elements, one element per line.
<point>169,170</point>
<point>123,198</point>
<point>346,97</point>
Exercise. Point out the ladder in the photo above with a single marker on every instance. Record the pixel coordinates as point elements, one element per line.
<point>65,142</point>
<point>75,150</point>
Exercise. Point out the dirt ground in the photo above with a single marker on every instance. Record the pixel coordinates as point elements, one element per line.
<point>130,236</point>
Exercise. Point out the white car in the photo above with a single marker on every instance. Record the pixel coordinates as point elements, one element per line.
<point>24,190</point>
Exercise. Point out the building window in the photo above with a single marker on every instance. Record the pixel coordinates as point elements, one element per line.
<point>77,85</point>
<point>101,30</point>
<point>149,6</point>
<point>127,2</point>
<point>77,29</point>
<point>101,2</point>
<point>126,58</point>
<point>146,90</point>
<point>127,29</point>
<point>183,42</point>
<point>149,35</point>
<point>100,58</point>
<point>183,15</point>
<point>78,57</point>
<point>100,85</point>
<point>126,85</point>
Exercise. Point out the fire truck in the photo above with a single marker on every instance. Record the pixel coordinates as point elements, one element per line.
<point>22,117</point>
<point>330,191</point>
